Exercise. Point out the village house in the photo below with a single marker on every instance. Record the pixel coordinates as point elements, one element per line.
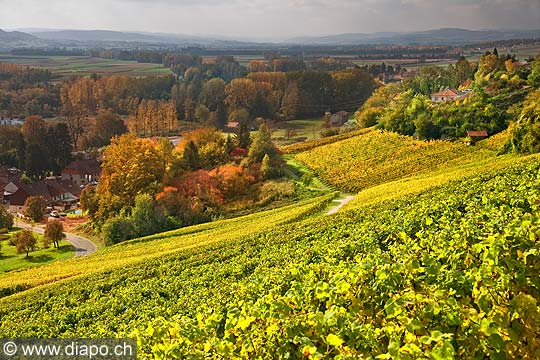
<point>448,95</point>
<point>60,193</point>
<point>232,125</point>
<point>338,119</point>
<point>82,172</point>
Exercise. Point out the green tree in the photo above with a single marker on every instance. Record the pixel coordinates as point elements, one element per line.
<point>526,131</point>
<point>59,146</point>
<point>202,114</point>
<point>54,232</point>
<point>190,157</point>
<point>534,76</point>
<point>6,219</point>
<point>145,218</point>
<point>90,201</point>
<point>262,145</point>
<point>25,241</point>
<point>213,93</point>
<point>243,137</point>
<point>290,106</point>
<point>117,229</point>
<point>108,125</point>
<point>463,71</point>
<point>35,208</point>
<point>269,168</point>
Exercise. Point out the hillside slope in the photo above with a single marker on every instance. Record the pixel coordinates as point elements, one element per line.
<point>412,276</point>
<point>377,157</point>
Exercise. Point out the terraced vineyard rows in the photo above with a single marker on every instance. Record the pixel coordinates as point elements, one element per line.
<point>450,273</point>
<point>157,246</point>
<point>378,157</point>
<point>312,144</point>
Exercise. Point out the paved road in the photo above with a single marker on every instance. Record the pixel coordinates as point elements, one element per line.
<point>342,203</point>
<point>82,245</point>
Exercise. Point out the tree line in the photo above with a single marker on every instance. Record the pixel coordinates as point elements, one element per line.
<point>500,89</point>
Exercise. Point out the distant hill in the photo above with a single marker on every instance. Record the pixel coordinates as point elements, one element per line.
<point>86,37</point>
<point>446,36</point>
<point>15,36</point>
<point>100,35</point>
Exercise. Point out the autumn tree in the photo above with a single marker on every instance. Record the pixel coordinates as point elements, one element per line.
<point>78,102</point>
<point>107,125</point>
<point>210,145</point>
<point>257,66</point>
<point>233,181</point>
<point>35,208</point>
<point>25,242</point>
<point>241,93</point>
<point>153,117</point>
<point>131,166</point>
<point>54,232</point>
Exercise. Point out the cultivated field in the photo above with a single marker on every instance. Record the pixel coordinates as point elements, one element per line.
<point>84,65</point>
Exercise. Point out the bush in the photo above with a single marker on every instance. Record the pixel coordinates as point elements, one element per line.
<point>325,132</point>
<point>275,190</point>
<point>307,178</point>
<point>118,229</point>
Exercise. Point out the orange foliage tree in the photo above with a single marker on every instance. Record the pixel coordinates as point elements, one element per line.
<point>131,166</point>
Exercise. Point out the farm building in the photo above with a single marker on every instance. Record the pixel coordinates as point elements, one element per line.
<point>338,119</point>
<point>448,95</point>
<point>474,136</point>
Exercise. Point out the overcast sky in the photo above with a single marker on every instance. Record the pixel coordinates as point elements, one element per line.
<point>275,19</point>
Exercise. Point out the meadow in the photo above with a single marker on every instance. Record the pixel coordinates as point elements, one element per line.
<point>11,260</point>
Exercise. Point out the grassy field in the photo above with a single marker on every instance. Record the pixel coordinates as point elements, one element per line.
<point>83,65</point>
<point>11,260</point>
<point>307,128</point>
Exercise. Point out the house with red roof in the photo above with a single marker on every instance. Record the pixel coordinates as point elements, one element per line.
<point>82,172</point>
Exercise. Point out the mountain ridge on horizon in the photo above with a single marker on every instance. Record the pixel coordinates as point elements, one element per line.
<point>442,36</point>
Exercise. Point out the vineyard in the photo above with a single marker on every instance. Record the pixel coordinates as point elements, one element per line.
<point>452,273</point>
<point>376,157</point>
<point>158,246</point>
<point>449,273</point>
